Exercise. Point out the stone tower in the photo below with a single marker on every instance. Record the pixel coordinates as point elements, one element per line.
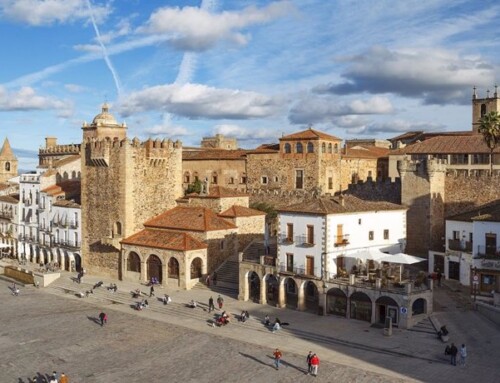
<point>124,183</point>
<point>423,192</point>
<point>482,106</point>
<point>8,162</point>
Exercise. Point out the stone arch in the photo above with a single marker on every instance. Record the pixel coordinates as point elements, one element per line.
<point>253,281</point>
<point>287,148</point>
<point>386,307</point>
<point>196,268</point>
<point>117,229</point>
<point>336,148</point>
<point>154,268</point>
<point>291,293</point>
<point>67,261</point>
<point>310,147</point>
<point>419,306</point>
<point>329,148</point>
<point>78,262</point>
<point>272,289</point>
<point>173,268</point>
<point>299,148</point>
<point>336,302</point>
<point>134,262</point>
<point>361,306</point>
<point>311,296</point>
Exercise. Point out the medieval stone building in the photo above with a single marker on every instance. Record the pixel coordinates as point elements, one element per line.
<point>8,162</point>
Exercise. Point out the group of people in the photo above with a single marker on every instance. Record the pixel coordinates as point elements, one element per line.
<point>277,325</point>
<point>244,316</point>
<point>453,351</point>
<point>144,304</point>
<point>53,378</point>
<point>113,287</point>
<point>223,319</point>
<point>312,361</point>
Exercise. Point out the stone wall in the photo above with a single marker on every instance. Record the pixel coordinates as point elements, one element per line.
<point>229,173</point>
<point>377,190</point>
<point>249,229</point>
<point>218,205</point>
<point>359,169</point>
<point>216,255</point>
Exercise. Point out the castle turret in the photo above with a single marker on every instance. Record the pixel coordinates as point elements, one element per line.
<point>8,162</point>
<point>104,126</point>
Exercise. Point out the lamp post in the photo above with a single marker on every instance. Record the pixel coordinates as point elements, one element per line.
<point>475,282</point>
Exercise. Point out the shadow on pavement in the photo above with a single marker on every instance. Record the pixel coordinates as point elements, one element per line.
<point>258,360</point>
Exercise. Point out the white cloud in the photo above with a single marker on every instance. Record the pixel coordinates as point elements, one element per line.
<point>199,29</point>
<point>244,133</point>
<point>200,101</point>
<point>27,99</point>
<point>324,109</point>
<point>74,88</point>
<point>46,12</point>
<point>395,127</point>
<point>436,76</point>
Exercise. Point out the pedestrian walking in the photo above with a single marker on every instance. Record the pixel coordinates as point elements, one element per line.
<point>207,280</point>
<point>214,278</point>
<point>220,302</point>
<point>463,354</point>
<point>453,353</point>
<point>315,364</point>
<point>439,277</point>
<point>211,306</point>
<point>103,318</point>
<point>277,358</point>
<point>63,378</point>
<point>152,291</point>
<point>308,360</point>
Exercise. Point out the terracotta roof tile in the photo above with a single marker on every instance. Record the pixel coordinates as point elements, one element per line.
<point>360,151</point>
<point>4,186</point>
<point>66,160</point>
<point>310,134</point>
<point>240,211</point>
<point>352,204</point>
<point>190,218</point>
<point>164,239</point>
<point>447,145</point>
<point>13,198</point>
<point>67,203</point>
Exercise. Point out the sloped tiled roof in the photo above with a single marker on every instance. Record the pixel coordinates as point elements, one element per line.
<point>360,151</point>
<point>310,134</point>
<point>67,188</point>
<point>240,211</point>
<point>486,212</point>
<point>352,204</point>
<point>13,198</point>
<point>190,218</point>
<point>164,239</point>
<point>66,160</point>
<point>4,186</point>
<point>448,145</point>
<point>67,203</point>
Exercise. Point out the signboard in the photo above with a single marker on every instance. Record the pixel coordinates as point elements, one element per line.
<point>404,310</point>
<point>475,279</point>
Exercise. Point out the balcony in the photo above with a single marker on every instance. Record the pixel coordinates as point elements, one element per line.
<point>286,240</point>
<point>488,252</point>
<point>457,245</point>
<point>6,214</point>
<point>67,244</point>
<point>341,240</point>
<point>303,241</point>
<point>302,271</point>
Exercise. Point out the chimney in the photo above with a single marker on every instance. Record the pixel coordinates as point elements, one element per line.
<point>341,200</point>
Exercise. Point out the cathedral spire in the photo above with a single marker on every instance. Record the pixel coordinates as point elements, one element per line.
<point>6,153</point>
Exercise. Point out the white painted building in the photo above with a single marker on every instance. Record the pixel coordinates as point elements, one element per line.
<point>9,223</point>
<point>472,248</point>
<point>318,237</point>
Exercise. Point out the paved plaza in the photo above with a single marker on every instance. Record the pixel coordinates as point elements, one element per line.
<point>52,329</point>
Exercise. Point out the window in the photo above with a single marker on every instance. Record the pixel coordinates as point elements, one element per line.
<point>276,179</point>
<point>289,232</point>
<point>231,180</point>
<point>369,174</point>
<point>481,159</point>
<point>299,179</point>
<point>187,179</point>
<point>263,180</point>
<point>491,243</point>
<point>483,109</point>
<point>309,265</point>
<point>456,234</point>
<point>386,234</point>
<point>310,147</point>
<point>459,159</point>
<point>243,180</point>
<point>289,262</point>
<point>359,221</point>
<point>299,148</point>
<point>330,183</point>
<point>222,244</point>
<point>329,148</point>
<point>287,148</point>
<point>323,148</point>
<point>214,179</point>
<point>336,148</point>
<point>370,235</point>
<point>310,234</point>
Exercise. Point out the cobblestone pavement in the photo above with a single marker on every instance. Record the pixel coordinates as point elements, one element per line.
<point>43,332</point>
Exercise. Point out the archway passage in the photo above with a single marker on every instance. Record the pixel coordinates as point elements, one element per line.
<point>419,307</point>
<point>154,268</point>
<point>386,307</point>
<point>361,306</point>
<point>291,293</point>
<point>311,296</point>
<point>78,262</point>
<point>336,302</point>
<point>196,268</point>
<point>133,262</point>
<point>254,286</point>
<point>272,289</point>
<point>173,268</point>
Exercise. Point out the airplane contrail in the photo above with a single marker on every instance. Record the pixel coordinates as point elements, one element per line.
<point>104,50</point>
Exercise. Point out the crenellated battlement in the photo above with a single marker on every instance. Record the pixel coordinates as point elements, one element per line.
<point>61,149</point>
<point>422,166</point>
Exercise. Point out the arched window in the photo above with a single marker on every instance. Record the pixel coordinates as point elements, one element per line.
<point>133,262</point>
<point>323,148</point>
<point>117,229</point>
<point>299,148</point>
<point>483,109</point>
<point>288,148</point>
<point>187,177</point>
<point>336,148</point>
<point>329,148</point>
<point>310,147</point>
<point>7,166</point>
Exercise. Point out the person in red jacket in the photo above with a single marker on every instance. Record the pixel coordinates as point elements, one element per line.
<point>315,364</point>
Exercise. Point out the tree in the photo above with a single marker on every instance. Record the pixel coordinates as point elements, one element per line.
<point>195,187</point>
<point>489,127</point>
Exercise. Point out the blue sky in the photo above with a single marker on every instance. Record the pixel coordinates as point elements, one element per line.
<point>250,69</point>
